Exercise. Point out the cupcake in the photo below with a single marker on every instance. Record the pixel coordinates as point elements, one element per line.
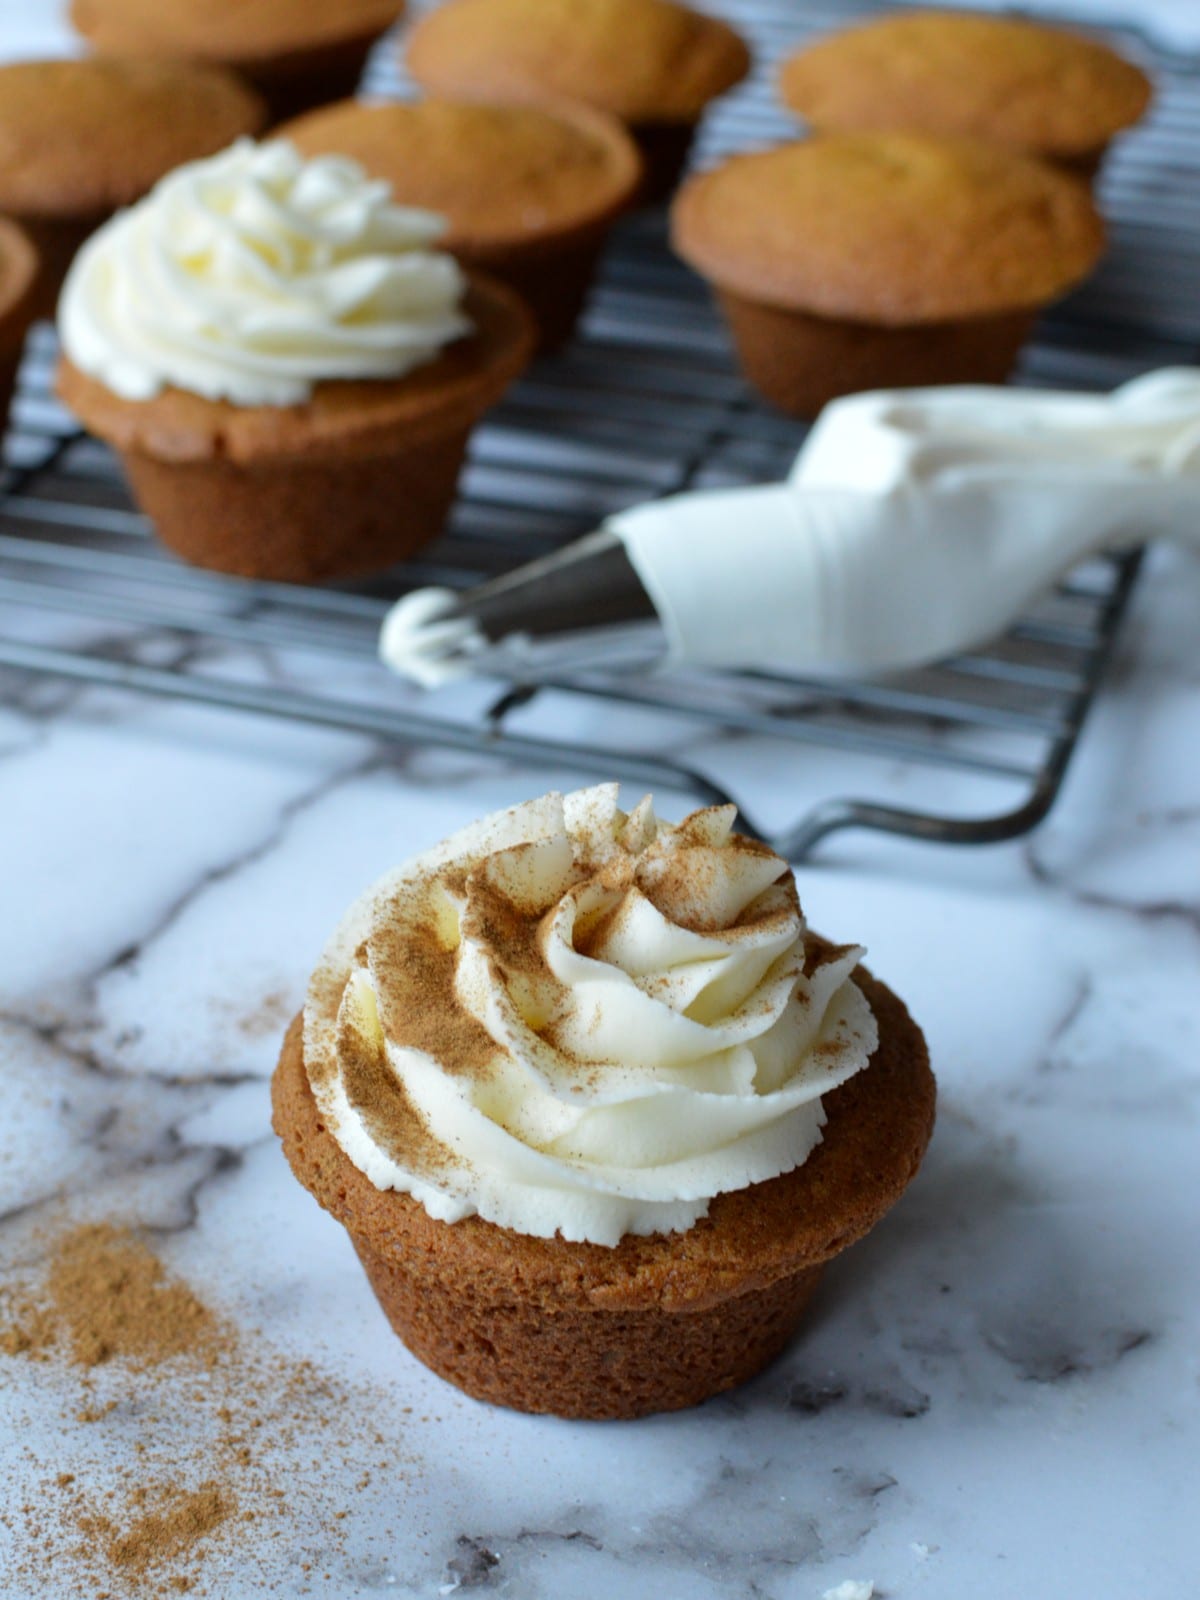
<point>287,367</point>
<point>18,288</point>
<point>529,194</point>
<point>595,1106</point>
<point>1035,89</point>
<point>651,63</point>
<point>882,261</point>
<point>297,53</point>
<point>79,139</point>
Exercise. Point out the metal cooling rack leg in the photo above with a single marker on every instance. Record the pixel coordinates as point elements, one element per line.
<point>832,816</point>
<point>835,815</point>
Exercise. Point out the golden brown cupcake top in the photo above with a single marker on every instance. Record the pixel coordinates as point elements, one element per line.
<point>216,30</point>
<point>18,271</point>
<point>500,175</point>
<point>84,137</point>
<point>889,229</point>
<point>642,60</point>
<point>1012,82</point>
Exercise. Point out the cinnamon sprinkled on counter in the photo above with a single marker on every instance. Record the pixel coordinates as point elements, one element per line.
<point>182,1437</point>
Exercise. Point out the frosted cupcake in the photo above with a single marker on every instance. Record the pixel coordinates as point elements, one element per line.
<point>595,1106</point>
<point>287,365</point>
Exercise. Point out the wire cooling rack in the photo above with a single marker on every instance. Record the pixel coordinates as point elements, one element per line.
<point>645,402</point>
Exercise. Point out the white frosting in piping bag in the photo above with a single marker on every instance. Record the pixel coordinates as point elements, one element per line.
<point>254,275</point>
<point>918,522</point>
<point>574,1021</point>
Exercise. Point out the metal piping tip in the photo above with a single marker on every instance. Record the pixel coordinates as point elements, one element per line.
<point>582,608</point>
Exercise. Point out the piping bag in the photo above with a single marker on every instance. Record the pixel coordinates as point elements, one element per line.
<point>915,524</point>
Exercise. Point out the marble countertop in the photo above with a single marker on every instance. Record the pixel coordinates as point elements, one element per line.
<point>997,1394</point>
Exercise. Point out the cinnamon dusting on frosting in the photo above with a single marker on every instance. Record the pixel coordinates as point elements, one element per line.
<point>511,935</point>
<point>586,1021</point>
<point>379,1098</point>
<point>819,953</point>
<point>413,969</point>
<point>685,886</point>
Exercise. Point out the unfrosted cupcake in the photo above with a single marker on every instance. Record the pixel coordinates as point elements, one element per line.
<point>884,261</point>
<point>595,1106</point>
<point>529,194</point>
<point>18,288</point>
<point>80,139</point>
<point>288,367</point>
<point>654,64</point>
<point>1035,89</point>
<point>297,53</point>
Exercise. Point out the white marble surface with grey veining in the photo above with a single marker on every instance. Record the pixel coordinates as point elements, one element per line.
<point>997,1394</point>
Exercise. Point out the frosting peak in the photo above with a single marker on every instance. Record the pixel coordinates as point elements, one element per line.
<point>573,1020</point>
<point>253,276</point>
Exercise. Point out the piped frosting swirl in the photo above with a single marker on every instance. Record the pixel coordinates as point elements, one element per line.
<point>573,1020</point>
<point>255,275</point>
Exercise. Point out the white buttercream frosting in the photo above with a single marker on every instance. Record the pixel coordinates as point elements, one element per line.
<point>422,638</point>
<point>571,1020</point>
<point>256,274</point>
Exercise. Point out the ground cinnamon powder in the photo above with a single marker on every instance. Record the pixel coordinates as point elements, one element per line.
<point>197,1424</point>
<point>110,1296</point>
<point>172,1528</point>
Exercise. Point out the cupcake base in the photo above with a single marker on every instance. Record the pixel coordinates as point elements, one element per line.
<point>801,362</point>
<point>58,241</point>
<point>302,81</point>
<point>1086,166</point>
<point>12,348</point>
<point>665,148</point>
<point>20,266</point>
<point>300,521</point>
<point>552,279</point>
<point>587,1363</point>
<point>658,1322</point>
<point>10,362</point>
